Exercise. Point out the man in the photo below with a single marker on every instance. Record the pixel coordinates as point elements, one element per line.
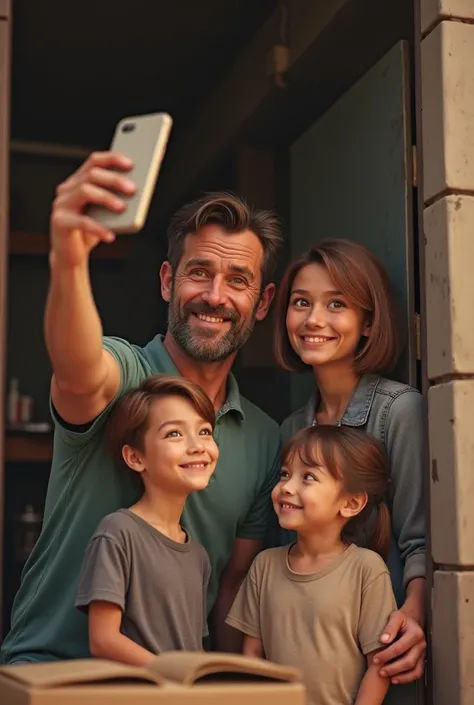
<point>216,279</point>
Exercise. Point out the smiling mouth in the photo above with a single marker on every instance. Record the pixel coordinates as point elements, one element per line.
<point>206,318</point>
<point>194,466</point>
<point>288,507</point>
<point>316,339</point>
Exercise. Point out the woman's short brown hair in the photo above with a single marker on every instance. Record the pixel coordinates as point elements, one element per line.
<point>360,276</point>
<point>130,417</point>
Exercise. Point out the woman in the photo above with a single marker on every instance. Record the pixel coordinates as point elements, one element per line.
<point>336,316</point>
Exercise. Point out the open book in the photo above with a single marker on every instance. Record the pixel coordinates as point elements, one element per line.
<point>173,667</point>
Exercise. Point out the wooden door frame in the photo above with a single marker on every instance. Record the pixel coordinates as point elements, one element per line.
<point>429,680</point>
<point>5,72</point>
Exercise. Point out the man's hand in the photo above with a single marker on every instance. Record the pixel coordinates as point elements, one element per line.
<point>74,234</point>
<point>404,660</point>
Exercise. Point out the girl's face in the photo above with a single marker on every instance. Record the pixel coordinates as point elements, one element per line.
<point>307,498</point>
<point>323,325</point>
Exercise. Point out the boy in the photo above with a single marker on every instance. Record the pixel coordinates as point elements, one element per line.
<point>144,580</point>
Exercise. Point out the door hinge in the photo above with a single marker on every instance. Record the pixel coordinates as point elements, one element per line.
<point>417,322</point>
<point>414,166</point>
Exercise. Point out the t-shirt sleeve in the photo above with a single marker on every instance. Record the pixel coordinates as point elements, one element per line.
<point>105,573</point>
<point>130,374</point>
<point>244,614</point>
<point>258,522</point>
<point>377,604</point>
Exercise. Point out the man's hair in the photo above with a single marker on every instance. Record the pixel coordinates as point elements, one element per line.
<point>233,215</point>
<point>130,417</point>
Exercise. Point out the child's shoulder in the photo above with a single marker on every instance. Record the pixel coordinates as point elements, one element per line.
<point>369,563</point>
<point>200,551</point>
<point>117,524</point>
<point>268,558</point>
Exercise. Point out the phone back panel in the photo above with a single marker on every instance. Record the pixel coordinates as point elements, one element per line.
<point>143,139</point>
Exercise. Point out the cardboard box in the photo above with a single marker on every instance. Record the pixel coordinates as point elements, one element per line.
<point>174,678</point>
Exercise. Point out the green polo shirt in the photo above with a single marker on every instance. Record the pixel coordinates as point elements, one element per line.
<point>85,486</point>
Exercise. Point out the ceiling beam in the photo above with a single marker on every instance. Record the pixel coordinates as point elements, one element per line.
<point>45,149</point>
<point>247,85</point>
<point>5,9</point>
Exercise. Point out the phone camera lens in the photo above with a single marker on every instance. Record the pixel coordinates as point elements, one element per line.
<point>128,127</point>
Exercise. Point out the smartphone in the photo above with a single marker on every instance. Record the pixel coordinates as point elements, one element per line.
<point>143,139</point>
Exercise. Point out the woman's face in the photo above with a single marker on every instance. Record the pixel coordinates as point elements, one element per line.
<point>323,326</point>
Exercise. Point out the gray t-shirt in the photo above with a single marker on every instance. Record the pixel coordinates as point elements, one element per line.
<point>159,584</point>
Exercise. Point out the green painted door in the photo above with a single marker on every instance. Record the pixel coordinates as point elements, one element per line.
<point>351,178</point>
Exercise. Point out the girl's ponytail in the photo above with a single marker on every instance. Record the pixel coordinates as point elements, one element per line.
<point>381,534</point>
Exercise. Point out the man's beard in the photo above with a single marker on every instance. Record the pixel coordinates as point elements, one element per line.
<point>204,345</point>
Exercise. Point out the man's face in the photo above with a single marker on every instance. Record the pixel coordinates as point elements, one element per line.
<point>215,295</point>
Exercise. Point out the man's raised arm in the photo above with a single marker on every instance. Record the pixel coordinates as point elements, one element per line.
<point>85,376</point>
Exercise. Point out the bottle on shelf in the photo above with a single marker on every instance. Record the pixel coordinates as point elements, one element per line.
<point>13,410</point>
<point>26,409</point>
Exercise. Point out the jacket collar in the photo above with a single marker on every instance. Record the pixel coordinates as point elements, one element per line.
<point>358,408</point>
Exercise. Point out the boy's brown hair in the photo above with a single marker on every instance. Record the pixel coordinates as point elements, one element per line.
<point>129,419</point>
<point>361,464</point>
<point>233,215</point>
<point>360,276</point>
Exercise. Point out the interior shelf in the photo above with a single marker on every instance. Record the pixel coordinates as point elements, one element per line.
<point>37,244</point>
<point>28,447</point>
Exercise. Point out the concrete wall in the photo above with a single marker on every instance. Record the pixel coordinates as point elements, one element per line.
<point>447,63</point>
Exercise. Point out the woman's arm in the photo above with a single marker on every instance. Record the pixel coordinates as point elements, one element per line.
<point>107,642</point>
<point>415,602</point>
<point>373,688</point>
<point>404,442</point>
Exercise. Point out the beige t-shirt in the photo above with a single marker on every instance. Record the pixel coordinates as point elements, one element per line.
<point>323,623</point>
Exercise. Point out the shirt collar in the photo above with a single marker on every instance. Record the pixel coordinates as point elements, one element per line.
<point>233,401</point>
<point>158,358</point>
<point>358,408</point>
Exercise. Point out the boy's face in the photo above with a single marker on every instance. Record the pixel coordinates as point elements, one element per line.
<point>307,498</point>
<point>179,453</point>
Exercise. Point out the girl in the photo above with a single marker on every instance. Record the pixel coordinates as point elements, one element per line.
<point>336,316</point>
<point>321,603</point>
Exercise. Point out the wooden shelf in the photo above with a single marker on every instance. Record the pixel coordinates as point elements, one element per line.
<point>28,448</point>
<point>26,244</point>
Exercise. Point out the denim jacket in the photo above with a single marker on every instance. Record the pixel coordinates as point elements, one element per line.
<point>391,412</point>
